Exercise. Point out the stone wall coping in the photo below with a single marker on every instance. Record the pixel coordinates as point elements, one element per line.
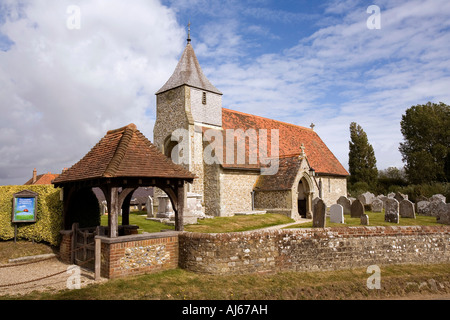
<point>138,237</point>
<point>323,232</point>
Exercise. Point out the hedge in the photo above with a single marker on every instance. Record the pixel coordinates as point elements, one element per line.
<point>48,220</point>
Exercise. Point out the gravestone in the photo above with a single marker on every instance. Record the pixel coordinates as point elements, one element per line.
<point>400,196</point>
<point>319,214</point>
<point>406,209</point>
<point>423,208</point>
<point>336,213</point>
<point>149,207</point>
<point>437,197</point>
<point>357,209</point>
<point>103,207</point>
<point>364,220</point>
<point>391,195</point>
<point>443,214</point>
<point>377,205</point>
<point>391,211</point>
<point>345,203</point>
<point>435,205</point>
<point>366,198</point>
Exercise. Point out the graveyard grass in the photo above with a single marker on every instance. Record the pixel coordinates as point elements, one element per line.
<point>216,225</point>
<point>376,219</point>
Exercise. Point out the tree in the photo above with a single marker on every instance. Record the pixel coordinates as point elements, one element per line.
<point>426,146</point>
<point>361,158</point>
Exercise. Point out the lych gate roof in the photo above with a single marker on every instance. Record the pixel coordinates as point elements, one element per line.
<point>188,72</point>
<point>291,137</point>
<point>124,152</point>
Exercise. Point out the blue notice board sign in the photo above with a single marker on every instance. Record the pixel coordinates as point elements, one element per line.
<point>24,206</point>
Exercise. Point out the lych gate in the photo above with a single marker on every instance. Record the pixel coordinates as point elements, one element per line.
<point>118,164</point>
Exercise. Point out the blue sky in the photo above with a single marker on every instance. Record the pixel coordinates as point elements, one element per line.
<point>300,61</point>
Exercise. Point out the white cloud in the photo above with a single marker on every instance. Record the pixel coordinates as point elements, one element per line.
<point>62,89</point>
<point>345,72</point>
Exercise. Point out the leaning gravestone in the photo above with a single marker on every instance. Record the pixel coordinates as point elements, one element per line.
<point>377,205</point>
<point>400,196</point>
<point>357,209</point>
<point>336,213</point>
<point>319,214</point>
<point>406,209</point>
<point>366,198</point>
<point>345,203</point>
<point>391,211</point>
<point>365,220</point>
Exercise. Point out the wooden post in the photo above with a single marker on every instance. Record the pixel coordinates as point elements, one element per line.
<point>114,208</point>
<point>98,258</point>
<point>182,204</point>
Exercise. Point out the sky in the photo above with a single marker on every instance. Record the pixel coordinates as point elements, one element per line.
<point>70,70</point>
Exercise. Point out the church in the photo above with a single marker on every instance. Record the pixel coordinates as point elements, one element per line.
<point>242,162</point>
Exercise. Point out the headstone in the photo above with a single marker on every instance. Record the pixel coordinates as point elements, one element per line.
<point>149,207</point>
<point>364,220</point>
<point>435,205</point>
<point>438,197</point>
<point>336,213</point>
<point>357,209</point>
<point>400,196</point>
<point>366,198</point>
<point>103,207</point>
<point>345,203</point>
<point>406,209</point>
<point>319,214</point>
<point>391,195</point>
<point>443,215</point>
<point>423,208</point>
<point>391,211</point>
<point>165,209</point>
<point>383,198</point>
<point>377,205</point>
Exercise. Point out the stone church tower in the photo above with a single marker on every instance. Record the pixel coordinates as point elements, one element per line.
<point>187,101</point>
<point>189,108</point>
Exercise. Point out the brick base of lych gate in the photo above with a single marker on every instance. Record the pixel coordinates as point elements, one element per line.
<point>130,255</point>
<point>138,254</point>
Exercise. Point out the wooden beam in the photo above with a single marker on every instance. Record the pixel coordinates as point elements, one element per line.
<point>182,204</point>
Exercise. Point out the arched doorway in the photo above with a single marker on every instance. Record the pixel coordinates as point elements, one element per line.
<point>304,199</point>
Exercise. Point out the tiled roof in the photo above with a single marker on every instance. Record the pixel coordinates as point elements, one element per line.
<point>45,178</point>
<point>291,137</point>
<point>284,179</point>
<point>124,152</point>
<point>188,72</point>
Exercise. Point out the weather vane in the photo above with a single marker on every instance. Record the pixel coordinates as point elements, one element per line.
<point>189,32</point>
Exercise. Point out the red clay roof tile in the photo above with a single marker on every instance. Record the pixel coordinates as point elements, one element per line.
<point>124,152</point>
<point>291,137</point>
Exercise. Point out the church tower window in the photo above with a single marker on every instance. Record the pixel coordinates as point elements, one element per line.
<point>204,98</point>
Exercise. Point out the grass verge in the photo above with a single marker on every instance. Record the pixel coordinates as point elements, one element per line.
<point>178,284</point>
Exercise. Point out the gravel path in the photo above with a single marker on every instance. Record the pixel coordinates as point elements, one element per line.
<point>59,272</point>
